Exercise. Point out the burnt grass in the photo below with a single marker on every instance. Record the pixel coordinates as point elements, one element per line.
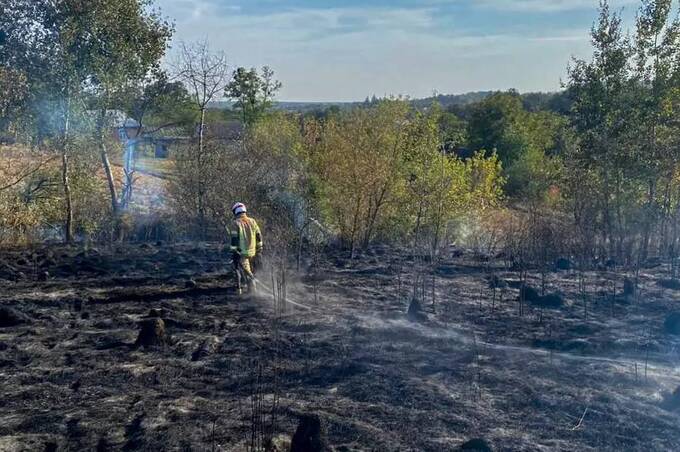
<point>596,371</point>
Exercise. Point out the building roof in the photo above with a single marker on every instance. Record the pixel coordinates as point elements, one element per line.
<point>116,119</point>
<point>130,123</point>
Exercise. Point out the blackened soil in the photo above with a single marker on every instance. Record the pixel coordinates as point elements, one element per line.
<point>596,372</point>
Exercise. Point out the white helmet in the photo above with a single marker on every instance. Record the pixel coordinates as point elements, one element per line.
<point>239,208</point>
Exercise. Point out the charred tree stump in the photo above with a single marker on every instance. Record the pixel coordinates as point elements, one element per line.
<point>310,435</point>
<point>152,333</point>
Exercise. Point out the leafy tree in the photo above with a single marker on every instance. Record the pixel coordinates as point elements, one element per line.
<point>74,49</point>
<point>496,125</point>
<point>453,130</point>
<point>24,49</point>
<point>380,172</point>
<point>599,89</point>
<point>525,142</point>
<point>626,126</point>
<point>119,43</point>
<point>158,103</point>
<point>252,92</point>
<point>557,102</point>
<point>358,160</point>
<point>13,91</point>
<point>440,188</point>
<point>656,45</point>
<point>43,41</point>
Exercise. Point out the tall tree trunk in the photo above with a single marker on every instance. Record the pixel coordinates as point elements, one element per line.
<point>373,210</point>
<point>649,218</point>
<point>355,228</point>
<point>608,241</point>
<point>106,163</point>
<point>199,182</point>
<point>675,237</point>
<point>201,128</point>
<point>666,217</point>
<point>416,230</point>
<point>68,226</point>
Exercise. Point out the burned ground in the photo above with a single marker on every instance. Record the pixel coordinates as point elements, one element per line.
<point>593,372</point>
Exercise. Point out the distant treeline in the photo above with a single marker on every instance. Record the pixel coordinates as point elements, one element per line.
<point>557,102</point>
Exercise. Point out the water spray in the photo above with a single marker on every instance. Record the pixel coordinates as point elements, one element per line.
<point>286,299</point>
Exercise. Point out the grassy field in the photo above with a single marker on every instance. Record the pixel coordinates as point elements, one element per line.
<point>18,163</point>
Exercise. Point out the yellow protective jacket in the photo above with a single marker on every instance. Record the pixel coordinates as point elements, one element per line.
<point>245,236</point>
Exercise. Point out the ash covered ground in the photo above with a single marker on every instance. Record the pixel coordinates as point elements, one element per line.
<point>593,372</point>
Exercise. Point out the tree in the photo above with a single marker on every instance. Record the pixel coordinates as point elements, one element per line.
<point>442,188</point>
<point>361,167</point>
<point>41,38</point>
<point>538,168</point>
<point>158,103</point>
<point>269,171</point>
<point>73,50</point>
<point>656,54</point>
<point>155,104</point>
<point>433,180</point>
<point>496,125</point>
<point>381,172</point>
<point>205,75</point>
<point>524,141</point>
<point>599,117</point>
<point>13,91</point>
<point>453,130</point>
<point>120,43</point>
<point>253,93</point>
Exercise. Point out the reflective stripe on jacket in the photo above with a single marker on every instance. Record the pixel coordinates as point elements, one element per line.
<point>245,236</point>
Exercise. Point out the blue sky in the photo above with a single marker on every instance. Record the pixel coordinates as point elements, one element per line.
<point>326,50</point>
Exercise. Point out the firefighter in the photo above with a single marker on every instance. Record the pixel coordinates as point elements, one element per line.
<point>246,244</point>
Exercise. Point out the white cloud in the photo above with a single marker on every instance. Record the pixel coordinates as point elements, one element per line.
<point>547,6</point>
